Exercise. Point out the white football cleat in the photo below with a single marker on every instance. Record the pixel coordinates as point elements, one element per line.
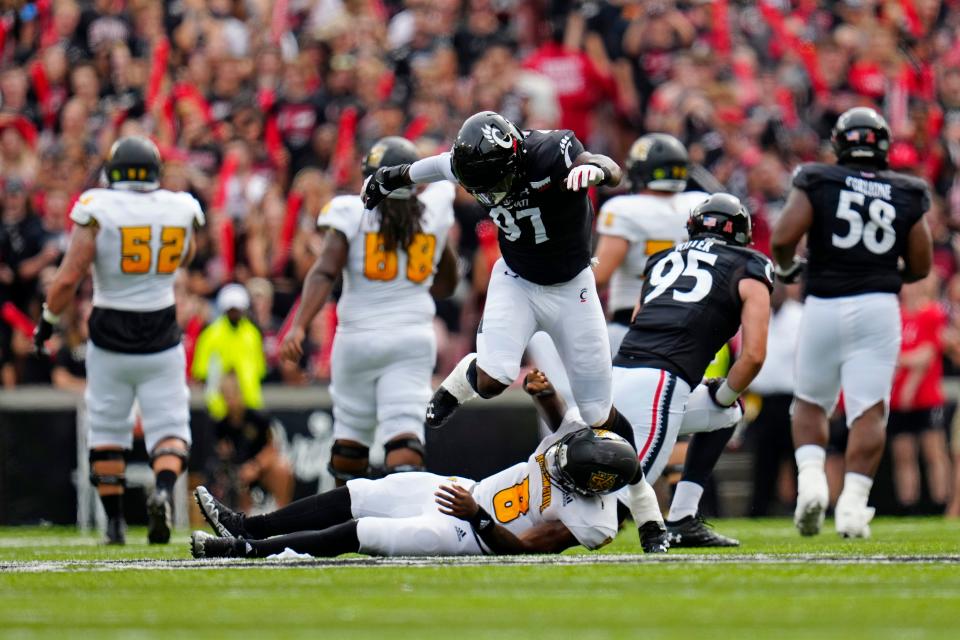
<point>853,522</point>
<point>812,499</point>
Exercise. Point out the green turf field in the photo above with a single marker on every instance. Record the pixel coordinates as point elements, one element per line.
<point>904,583</point>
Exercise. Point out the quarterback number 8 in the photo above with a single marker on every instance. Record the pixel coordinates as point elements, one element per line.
<point>136,254</point>
<point>878,235</point>
<point>667,271</point>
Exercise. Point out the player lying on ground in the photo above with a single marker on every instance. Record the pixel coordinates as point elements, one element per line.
<point>695,298</point>
<point>135,235</point>
<point>534,185</point>
<point>559,498</point>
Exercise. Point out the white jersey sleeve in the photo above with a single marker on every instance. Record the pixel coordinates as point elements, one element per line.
<point>343,213</point>
<point>433,169</point>
<point>141,240</point>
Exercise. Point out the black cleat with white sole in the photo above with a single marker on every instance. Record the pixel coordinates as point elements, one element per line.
<point>225,522</point>
<point>159,517</point>
<point>654,537</point>
<point>442,405</point>
<point>204,545</point>
<point>694,531</point>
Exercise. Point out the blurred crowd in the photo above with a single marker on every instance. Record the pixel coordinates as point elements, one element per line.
<point>262,109</point>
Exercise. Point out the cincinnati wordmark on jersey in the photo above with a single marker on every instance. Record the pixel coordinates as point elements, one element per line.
<point>690,306</point>
<point>861,220</point>
<point>545,231</point>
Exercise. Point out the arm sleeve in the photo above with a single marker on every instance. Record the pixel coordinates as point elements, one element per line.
<point>615,223</point>
<point>592,521</point>
<point>568,150</point>
<point>343,214</point>
<point>84,210</point>
<point>199,220</point>
<point>803,177</point>
<point>433,169</point>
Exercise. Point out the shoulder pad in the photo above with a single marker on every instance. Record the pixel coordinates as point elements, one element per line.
<point>759,267</point>
<point>806,175</point>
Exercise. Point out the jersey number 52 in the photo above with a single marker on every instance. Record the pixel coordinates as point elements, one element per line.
<point>136,253</point>
<point>877,234</point>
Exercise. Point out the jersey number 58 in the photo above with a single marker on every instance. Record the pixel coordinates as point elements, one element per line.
<point>877,235</point>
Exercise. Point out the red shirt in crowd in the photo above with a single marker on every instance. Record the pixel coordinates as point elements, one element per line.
<point>921,327</point>
<point>579,83</point>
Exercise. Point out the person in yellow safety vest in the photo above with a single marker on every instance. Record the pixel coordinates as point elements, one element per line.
<point>232,343</point>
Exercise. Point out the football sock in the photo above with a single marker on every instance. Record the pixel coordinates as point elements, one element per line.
<point>811,478</point>
<point>856,489</point>
<point>622,427</point>
<point>643,502</point>
<point>458,383</point>
<point>113,505</point>
<point>165,480</point>
<point>810,456</point>
<point>311,513</point>
<point>702,454</point>
<point>686,500</point>
<point>331,542</point>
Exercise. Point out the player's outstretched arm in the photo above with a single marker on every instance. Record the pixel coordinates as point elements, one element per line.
<point>81,253</point>
<point>591,169</point>
<point>919,256</point>
<point>547,537</point>
<point>447,277</point>
<point>794,222</point>
<point>316,289</point>
<point>432,169</point>
<point>548,402</point>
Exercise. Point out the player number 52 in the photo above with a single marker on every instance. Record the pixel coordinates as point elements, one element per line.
<point>136,253</point>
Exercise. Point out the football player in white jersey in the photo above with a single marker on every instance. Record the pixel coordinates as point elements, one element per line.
<point>392,259</point>
<point>558,498</point>
<point>635,226</point>
<point>135,235</point>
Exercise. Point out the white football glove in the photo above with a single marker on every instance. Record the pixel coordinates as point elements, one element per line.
<point>584,177</point>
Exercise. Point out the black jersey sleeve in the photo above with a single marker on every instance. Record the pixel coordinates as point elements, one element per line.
<point>759,267</point>
<point>807,175</point>
<point>565,152</point>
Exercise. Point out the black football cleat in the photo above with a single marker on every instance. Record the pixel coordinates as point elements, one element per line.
<point>442,405</point>
<point>224,521</point>
<point>694,531</point>
<point>204,545</point>
<point>159,517</point>
<point>654,537</point>
<point>116,531</point>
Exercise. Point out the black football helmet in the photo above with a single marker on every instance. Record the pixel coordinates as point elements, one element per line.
<point>133,163</point>
<point>658,161</point>
<point>721,216</point>
<point>861,136</point>
<point>592,462</point>
<point>391,152</point>
<point>486,156</point>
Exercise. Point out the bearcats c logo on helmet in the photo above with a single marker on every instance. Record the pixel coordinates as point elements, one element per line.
<point>494,136</point>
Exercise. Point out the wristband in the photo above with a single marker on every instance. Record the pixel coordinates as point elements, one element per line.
<point>50,316</point>
<point>725,394</point>
<point>606,173</point>
<point>481,520</point>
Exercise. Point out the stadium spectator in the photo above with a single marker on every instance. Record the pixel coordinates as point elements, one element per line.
<point>232,344</point>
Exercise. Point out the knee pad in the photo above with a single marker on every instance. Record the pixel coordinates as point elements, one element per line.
<point>353,452</point>
<point>112,455</point>
<point>412,444</point>
<point>183,454</point>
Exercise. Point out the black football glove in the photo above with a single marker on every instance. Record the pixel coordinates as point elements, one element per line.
<point>378,186</point>
<point>792,273</point>
<point>713,384</point>
<point>41,333</point>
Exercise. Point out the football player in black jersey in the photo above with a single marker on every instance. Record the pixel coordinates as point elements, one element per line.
<point>534,186</point>
<point>695,298</point>
<point>865,235</point>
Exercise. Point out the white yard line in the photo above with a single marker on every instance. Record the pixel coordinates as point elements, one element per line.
<point>39,566</point>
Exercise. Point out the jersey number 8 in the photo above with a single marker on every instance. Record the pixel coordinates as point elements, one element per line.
<point>136,254</point>
<point>877,235</point>
<point>380,264</point>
